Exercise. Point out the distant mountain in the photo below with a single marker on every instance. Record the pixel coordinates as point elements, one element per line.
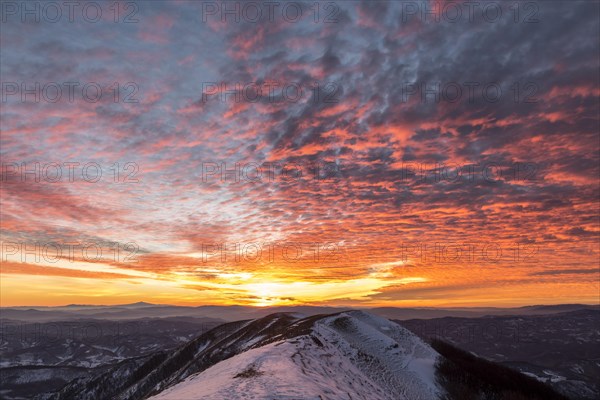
<point>560,349</point>
<point>42,357</point>
<point>237,313</point>
<point>559,308</point>
<point>474,312</point>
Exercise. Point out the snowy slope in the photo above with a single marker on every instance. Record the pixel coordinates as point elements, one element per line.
<point>291,369</point>
<point>352,355</point>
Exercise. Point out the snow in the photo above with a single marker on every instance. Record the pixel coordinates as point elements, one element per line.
<point>286,371</point>
<point>353,355</point>
<point>550,376</point>
<point>400,362</point>
<point>532,375</point>
<point>255,340</point>
<point>554,377</point>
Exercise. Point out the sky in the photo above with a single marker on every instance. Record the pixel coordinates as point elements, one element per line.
<point>344,153</point>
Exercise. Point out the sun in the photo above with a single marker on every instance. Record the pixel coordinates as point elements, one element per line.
<point>265,302</point>
<point>266,292</point>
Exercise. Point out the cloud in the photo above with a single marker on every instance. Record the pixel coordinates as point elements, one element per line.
<point>566,272</point>
<point>413,167</point>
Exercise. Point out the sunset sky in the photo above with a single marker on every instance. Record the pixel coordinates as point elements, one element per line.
<point>355,185</point>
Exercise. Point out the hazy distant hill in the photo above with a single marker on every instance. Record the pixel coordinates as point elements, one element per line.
<point>236,313</point>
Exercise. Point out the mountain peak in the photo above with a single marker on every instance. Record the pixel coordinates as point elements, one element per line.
<point>351,354</point>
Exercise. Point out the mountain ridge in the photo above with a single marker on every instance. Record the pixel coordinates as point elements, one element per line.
<point>351,354</point>
<point>341,333</point>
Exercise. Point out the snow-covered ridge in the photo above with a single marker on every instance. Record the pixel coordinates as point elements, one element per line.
<point>351,355</point>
